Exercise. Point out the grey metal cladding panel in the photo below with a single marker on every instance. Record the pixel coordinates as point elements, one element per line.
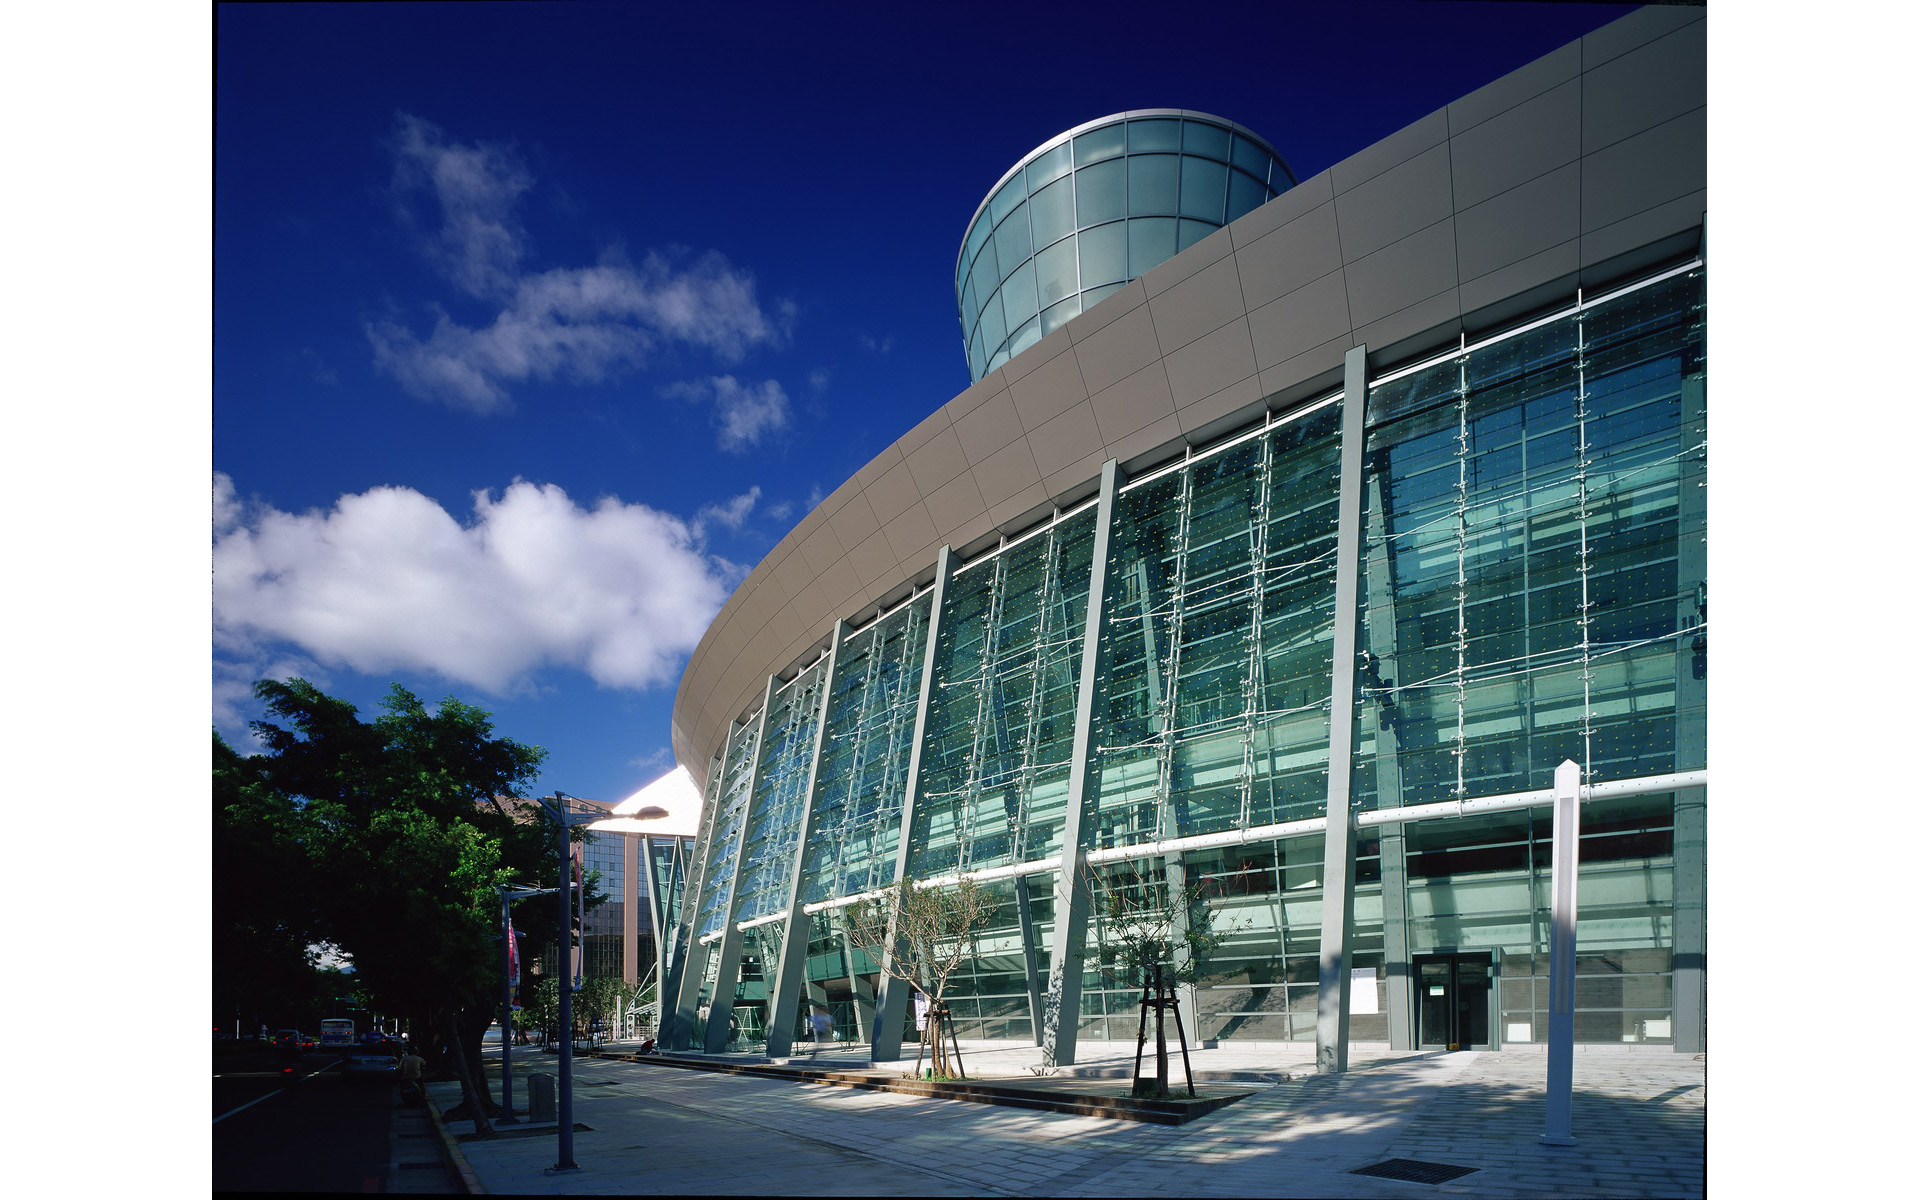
<point>838,583</point>
<point>909,532</point>
<point>1500,296</point>
<point>854,522</point>
<point>1634,30</point>
<point>1411,270</point>
<point>822,549</point>
<point>936,461</point>
<point>1389,152</point>
<point>1226,410</point>
<point>1415,329</point>
<point>988,428</point>
<point>1007,472</point>
<point>1519,222</point>
<point>1645,87</point>
<point>892,492</point>
<point>1290,205</point>
<point>1522,143</point>
<point>954,504</point>
<point>1197,305</point>
<point>1109,310</point>
<point>935,425</point>
<point>873,561</point>
<point>1034,357</point>
<point>993,385</point>
<point>1133,403</point>
<point>1313,370</point>
<point>1022,507</point>
<point>1644,171</point>
<point>1148,446</point>
<point>1398,202</point>
<point>1670,230</point>
<point>1300,320</point>
<point>1217,361</point>
<point>1067,438</point>
<point>1049,391</point>
<point>1305,248</point>
<point>1513,89</point>
<point>1119,350</point>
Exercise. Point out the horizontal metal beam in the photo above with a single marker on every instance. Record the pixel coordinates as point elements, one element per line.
<point>1409,814</point>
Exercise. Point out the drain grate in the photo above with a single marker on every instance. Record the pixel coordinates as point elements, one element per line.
<point>1412,1170</point>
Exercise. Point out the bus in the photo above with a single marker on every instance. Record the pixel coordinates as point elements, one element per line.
<point>337,1033</point>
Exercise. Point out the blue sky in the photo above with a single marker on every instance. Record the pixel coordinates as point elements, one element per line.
<point>537,325</point>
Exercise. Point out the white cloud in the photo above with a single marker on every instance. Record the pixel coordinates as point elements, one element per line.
<point>389,580</point>
<point>745,414</point>
<point>732,513</point>
<point>581,324</point>
<point>475,187</point>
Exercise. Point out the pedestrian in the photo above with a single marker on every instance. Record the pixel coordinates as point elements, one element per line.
<point>822,1025</point>
<point>411,1068</point>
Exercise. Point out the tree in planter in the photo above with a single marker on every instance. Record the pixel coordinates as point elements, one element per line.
<point>1155,934</point>
<point>930,931</point>
<point>594,1003</point>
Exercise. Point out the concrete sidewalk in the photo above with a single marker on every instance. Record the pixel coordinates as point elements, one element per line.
<point>1639,1117</point>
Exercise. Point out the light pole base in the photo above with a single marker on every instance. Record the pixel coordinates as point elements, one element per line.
<point>1549,1139</point>
<point>561,1169</point>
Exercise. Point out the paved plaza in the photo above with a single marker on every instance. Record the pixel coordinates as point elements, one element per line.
<point>1638,1115</point>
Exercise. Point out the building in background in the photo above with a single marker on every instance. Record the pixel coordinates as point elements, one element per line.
<point>1290,567</point>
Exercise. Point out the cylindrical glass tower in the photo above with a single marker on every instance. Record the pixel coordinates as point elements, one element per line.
<point>1094,208</point>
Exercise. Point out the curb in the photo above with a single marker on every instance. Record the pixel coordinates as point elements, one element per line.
<point>469,1181</point>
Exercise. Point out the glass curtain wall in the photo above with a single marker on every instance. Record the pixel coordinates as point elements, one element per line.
<point>1078,220</point>
<point>999,736</point>
<point>1532,589</point>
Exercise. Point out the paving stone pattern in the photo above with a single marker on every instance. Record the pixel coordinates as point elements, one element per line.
<point>1639,1119</point>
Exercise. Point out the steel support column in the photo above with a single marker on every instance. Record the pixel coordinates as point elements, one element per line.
<point>1029,952</point>
<point>680,991</point>
<point>1564,883</point>
<point>726,978</point>
<point>1336,876</point>
<point>891,1007</point>
<point>1690,706</point>
<point>1060,1015</point>
<point>783,1005</point>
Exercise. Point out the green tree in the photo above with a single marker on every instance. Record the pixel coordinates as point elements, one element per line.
<point>1152,933</point>
<point>393,835</point>
<point>930,931</point>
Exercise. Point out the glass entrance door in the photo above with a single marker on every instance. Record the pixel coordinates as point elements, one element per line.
<point>1453,1007</point>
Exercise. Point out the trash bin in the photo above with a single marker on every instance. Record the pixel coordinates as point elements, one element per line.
<point>540,1098</point>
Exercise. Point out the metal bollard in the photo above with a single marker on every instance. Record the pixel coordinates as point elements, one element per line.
<point>540,1105</point>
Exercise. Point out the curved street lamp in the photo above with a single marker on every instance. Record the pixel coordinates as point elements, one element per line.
<point>556,809</point>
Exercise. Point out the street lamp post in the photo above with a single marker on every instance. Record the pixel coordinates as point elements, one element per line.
<point>555,808</point>
<point>507,896</point>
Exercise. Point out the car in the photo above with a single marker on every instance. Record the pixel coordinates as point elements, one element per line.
<point>372,1062</point>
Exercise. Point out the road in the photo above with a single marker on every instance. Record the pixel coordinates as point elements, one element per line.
<point>306,1131</point>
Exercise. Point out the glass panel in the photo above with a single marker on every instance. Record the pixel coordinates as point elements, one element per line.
<point>1024,336</point>
<point>1193,231</point>
<point>1153,184</point>
<point>1059,314</point>
<point>1202,138</point>
<point>1157,134</point>
<point>1243,195</point>
<point>1098,144</point>
<point>1250,157</point>
<point>1007,198</point>
<point>766,871</point>
<point>1101,192</point>
<point>1150,243</point>
<point>1049,167</point>
<point>1203,190</point>
<point>1103,254</point>
<point>1057,272</point>
<point>1052,212</point>
<point>1010,242</point>
<point>1016,296</point>
<point>993,325</point>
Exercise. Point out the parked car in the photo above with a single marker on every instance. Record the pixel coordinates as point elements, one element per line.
<point>290,1044</point>
<point>373,1062</point>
